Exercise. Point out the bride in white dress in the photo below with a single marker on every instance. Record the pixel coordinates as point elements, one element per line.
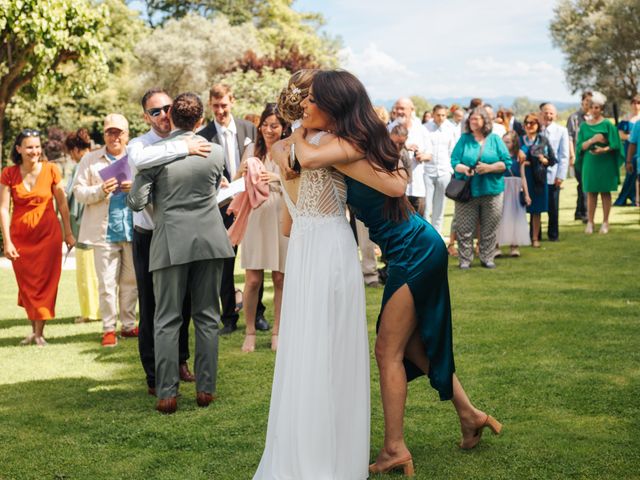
<point>319,414</point>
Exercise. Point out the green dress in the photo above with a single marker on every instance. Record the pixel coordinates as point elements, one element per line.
<point>600,173</point>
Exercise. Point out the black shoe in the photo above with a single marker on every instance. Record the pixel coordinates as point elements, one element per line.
<point>262,324</point>
<point>228,329</point>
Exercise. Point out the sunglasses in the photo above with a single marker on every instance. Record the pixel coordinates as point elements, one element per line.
<point>30,132</point>
<point>155,112</point>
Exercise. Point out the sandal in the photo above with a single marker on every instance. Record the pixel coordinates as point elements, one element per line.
<point>239,300</point>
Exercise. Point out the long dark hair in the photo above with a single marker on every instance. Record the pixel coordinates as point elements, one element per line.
<point>343,97</point>
<point>261,147</point>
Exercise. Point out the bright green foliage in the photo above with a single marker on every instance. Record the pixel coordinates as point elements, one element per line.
<point>421,105</point>
<point>49,44</point>
<point>253,90</point>
<point>601,43</point>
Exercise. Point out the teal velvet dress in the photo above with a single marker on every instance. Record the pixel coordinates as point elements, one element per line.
<point>416,256</point>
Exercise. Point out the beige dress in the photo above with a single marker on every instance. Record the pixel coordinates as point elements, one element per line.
<point>264,247</point>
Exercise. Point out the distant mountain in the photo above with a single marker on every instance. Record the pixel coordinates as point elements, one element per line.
<point>497,102</point>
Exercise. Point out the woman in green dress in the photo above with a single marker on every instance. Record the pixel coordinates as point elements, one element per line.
<point>599,157</point>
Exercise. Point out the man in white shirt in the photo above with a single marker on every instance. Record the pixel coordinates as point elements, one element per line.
<point>418,144</point>
<point>437,171</point>
<point>497,128</point>
<point>143,154</point>
<point>233,135</point>
<point>457,119</point>
<point>558,137</point>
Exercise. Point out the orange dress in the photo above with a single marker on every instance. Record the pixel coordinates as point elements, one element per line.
<point>36,234</point>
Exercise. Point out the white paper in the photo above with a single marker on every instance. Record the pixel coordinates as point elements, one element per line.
<point>226,194</point>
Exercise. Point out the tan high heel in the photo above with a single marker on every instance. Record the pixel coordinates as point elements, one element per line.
<point>492,423</point>
<point>406,465</point>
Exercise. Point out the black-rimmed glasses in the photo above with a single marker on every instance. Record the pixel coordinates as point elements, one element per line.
<point>154,112</point>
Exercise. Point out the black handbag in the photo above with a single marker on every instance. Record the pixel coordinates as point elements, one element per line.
<point>460,190</point>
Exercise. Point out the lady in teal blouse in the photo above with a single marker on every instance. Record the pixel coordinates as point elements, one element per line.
<point>414,332</point>
<point>483,156</point>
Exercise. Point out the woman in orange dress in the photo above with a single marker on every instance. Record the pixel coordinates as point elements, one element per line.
<point>31,234</point>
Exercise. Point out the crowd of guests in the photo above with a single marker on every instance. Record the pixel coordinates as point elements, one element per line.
<point>513,169</point>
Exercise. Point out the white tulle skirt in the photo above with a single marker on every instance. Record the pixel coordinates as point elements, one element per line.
<point>319,414</point>
<point>513,229</point>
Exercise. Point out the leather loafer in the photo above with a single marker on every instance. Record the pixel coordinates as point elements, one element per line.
<point>167,405</point>
<point>185,374</point>
<point>262,324</point>
<point>203,399</point>
<point>228,329</point>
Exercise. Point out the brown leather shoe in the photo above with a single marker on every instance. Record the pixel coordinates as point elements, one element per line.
<point>185,374</point>
<point>203,399</point>
<point>167,405</point>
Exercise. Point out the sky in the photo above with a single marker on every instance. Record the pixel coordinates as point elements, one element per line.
<point>447,48</point>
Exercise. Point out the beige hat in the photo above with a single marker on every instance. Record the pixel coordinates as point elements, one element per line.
<point>115,120</point>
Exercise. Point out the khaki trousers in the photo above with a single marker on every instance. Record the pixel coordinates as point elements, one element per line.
<point>116,284</point>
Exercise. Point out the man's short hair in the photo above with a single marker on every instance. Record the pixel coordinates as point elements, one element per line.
<point>186,110</point>
<point>150,93</point>
<point>438,107</point>
<point>399,130</point>
<point>587,94</point>
<point>219,90</point>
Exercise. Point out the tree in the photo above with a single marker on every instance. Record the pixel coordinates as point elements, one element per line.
<point>422,105</point>
<point>185,54</point>
<point>48,43</point>
<point>523,105</point>
<point>601,43</point>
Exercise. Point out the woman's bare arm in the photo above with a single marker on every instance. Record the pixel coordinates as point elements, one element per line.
<point>392,184</point>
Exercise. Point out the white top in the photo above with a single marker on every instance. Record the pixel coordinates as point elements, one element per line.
<point>232,168</point>
<point>143,154</point>
<point>457,129</point>
<point>419,136</point>
<point>558,137</point>
<point>498,129</point>
<point>443,139</point>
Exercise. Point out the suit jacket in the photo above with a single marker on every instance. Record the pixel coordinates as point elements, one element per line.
<point>188,223</point>
<point>244,130</point>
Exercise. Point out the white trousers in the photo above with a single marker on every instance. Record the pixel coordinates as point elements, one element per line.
<point>435,186</point>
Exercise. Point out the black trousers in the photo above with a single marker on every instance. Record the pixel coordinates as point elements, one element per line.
<point>147,304</point>
<point>229,315</point>
<point>581,204</point>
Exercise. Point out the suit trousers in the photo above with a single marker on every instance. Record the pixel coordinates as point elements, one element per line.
<point>487,210</point>
<point>367,250</point>
<point>170,286</point>
<point>435,200</point>
<point>581,204</point>
<point>116,285</point>
<point>147,308</point>
<point>228,287</point>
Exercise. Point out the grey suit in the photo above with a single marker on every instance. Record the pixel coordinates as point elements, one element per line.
<point>187,250</point>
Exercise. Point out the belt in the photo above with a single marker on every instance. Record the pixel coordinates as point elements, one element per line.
<point>141,230</point>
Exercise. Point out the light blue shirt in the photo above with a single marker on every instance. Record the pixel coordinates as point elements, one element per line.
<point>120,220</point>
<point>558,137</point>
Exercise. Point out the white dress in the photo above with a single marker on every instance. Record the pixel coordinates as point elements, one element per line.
<point>319,414</point>
<point>513,228</point>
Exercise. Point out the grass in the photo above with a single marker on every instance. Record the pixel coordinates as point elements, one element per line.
<point>547,343</point>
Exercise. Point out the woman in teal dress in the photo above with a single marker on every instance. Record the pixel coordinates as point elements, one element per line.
<point>414,326</point>
<point>599,156</point>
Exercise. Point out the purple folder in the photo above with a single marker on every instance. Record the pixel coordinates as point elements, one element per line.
<point>119,170</point>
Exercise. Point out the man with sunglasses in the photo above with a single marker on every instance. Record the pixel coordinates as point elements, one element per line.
<point>144,153</point>
<point>233,135</point>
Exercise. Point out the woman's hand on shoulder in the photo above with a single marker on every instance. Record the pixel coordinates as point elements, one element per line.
<point>280,152</point>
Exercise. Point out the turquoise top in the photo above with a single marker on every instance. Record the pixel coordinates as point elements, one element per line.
<point>120,220</point>
<point>417,257</point>
<point>466,152</point>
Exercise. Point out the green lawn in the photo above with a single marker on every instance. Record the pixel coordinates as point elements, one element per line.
<point>548,343</point>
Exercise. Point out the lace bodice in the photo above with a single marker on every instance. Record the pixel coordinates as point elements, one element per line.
<point>323,192</point>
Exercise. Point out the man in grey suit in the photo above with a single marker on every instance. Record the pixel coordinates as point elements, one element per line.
<point>233,135</point>
<point>188,248</point>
